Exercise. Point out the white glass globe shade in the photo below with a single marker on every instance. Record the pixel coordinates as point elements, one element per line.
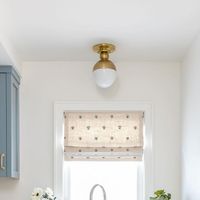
<point>104,78</point>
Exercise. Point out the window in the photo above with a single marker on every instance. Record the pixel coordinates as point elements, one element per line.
<point>61,166</point>
<point>102,137</point>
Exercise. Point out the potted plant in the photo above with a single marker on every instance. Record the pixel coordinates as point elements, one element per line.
<point>161,195</point>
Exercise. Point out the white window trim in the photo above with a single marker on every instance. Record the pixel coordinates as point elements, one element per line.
<point>60,107</point>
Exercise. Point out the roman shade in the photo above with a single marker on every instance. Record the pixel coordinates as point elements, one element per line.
<point>103,135</point>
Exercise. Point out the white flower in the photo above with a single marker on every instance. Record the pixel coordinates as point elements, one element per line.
<point>37,194</point>
<point>41,194</point>
<point>49,192</point>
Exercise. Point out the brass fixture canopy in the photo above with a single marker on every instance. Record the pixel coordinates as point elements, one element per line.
<point>98,48</point>
<point>104,49</point>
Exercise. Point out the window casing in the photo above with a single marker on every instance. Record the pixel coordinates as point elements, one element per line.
<point>60,107</point>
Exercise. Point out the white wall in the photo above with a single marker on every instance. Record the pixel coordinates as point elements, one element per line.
<point>45,83</point>
<point>191,123</point>
<point>8,55</point>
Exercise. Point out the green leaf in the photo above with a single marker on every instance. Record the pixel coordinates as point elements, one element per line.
<point>159,192</point>
<point>161,195</point>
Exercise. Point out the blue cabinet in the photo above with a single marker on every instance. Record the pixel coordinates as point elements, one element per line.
<point>9,122</point>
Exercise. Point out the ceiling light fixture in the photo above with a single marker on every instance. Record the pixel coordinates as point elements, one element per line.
<point>104,70</point>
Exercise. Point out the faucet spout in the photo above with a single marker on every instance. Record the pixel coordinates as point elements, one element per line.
<point>93,188</point>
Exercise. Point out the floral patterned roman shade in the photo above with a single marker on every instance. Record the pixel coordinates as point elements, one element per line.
<point>103,135</point>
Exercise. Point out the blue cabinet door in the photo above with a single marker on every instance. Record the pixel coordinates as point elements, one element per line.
<point>3,121</point>
<point>9,122</point>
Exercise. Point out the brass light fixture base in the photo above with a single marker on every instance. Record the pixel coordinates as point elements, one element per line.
<point>104,70</point>
<point>104,47</point>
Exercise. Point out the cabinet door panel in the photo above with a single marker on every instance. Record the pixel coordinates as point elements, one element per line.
<point>3,123</point>
<point>9,122</point>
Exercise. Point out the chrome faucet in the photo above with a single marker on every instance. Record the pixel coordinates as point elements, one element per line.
<point>92,191</point>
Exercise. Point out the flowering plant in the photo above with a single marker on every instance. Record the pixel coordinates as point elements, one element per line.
<point>41,194</point>
<point>161,195</point>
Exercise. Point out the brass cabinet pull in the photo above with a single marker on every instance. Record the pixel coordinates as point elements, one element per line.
<point>2,156</point>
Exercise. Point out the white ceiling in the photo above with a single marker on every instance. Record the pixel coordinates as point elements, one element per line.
<point>59,30</point>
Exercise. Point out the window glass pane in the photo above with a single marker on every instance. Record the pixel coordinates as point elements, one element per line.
<point>118,178</point>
